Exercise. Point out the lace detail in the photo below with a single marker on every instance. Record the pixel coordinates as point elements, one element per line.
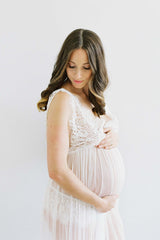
<point>85,127</point>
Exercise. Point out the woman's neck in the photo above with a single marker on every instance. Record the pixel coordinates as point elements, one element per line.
<point>79,91</point>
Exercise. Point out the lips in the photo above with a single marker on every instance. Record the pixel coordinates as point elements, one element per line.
<point>78,81</point>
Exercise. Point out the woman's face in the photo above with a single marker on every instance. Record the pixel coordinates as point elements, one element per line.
<point>78,69</point>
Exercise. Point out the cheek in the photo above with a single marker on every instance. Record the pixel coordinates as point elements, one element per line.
<point>68,72</point>
<point>89,74</point>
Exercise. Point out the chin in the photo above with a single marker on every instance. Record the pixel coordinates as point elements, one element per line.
<point>78,85</point>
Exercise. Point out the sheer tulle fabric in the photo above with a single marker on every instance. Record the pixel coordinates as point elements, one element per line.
<point>102,171</point>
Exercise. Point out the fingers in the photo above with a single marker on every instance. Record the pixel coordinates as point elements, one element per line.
<point>110,141</point>
<point>106,145</point>
<point>104,142</point>
<point>107,129</point>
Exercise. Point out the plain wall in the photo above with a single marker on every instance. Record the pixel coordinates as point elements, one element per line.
<point>32,33</point>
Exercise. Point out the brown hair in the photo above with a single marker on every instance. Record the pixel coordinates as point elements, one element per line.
<point>91,43</point>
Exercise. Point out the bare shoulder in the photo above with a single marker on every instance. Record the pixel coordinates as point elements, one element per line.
<point>59,107</point>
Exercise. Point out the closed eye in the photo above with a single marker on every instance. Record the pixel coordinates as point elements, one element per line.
<point>71,67</point>
<point>74,67</point>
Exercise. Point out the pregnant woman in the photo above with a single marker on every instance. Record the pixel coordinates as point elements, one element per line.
<point>85,181</point>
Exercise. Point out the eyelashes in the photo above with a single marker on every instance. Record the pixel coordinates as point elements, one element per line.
<point>84,67</point>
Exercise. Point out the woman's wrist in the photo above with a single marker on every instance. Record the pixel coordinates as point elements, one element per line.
<point>97,201</point>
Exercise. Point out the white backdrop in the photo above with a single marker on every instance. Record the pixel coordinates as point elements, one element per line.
<point>32,33</point>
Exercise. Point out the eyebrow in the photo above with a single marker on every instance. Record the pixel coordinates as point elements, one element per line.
<point>83,63</point>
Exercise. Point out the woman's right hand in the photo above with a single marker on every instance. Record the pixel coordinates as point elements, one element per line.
<point>107,203</point>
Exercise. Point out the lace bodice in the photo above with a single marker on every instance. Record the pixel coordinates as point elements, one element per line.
<point>85,128</point>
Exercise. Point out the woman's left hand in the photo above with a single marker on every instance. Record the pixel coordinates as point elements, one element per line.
<point>111,139</point>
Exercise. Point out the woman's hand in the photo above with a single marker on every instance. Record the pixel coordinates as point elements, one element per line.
<point>107,203</point>
<point>111,139</point>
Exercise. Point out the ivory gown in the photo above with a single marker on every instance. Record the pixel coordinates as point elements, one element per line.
<point>102,171</point>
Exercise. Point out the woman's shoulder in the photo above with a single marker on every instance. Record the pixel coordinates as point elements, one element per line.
<point>59,96</point>
<point>63,90</point>
<point>59,104</point>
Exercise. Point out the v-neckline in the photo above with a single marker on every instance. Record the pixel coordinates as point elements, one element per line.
<point>85,109</point>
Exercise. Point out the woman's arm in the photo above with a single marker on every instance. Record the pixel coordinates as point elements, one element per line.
<point>111,128</point>
<point>110,140</point>
<point>58,115</point>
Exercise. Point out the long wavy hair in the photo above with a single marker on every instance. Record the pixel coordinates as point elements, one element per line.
<point>91,43</point>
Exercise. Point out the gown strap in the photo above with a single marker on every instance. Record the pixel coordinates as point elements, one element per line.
<point>72,100</point>
<point>56,91</point>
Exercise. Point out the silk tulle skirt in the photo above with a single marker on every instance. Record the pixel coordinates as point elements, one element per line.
<point>67,218</point>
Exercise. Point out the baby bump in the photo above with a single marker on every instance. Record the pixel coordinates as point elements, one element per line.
<point>101,170</point>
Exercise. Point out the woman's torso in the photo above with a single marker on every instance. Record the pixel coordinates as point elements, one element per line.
<point>101,170</point>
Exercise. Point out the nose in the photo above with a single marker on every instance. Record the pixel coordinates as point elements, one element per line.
<point>78,75</point>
